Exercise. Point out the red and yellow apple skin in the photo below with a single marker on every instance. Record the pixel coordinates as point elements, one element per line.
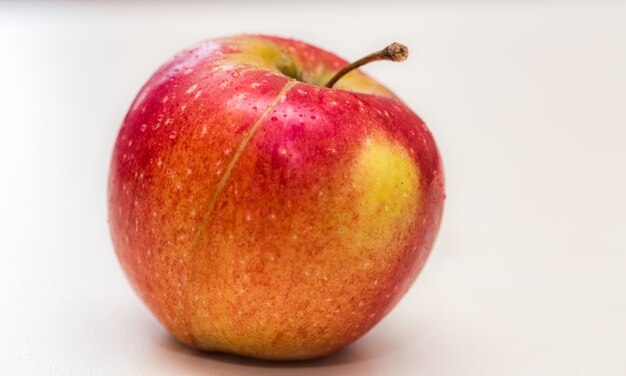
<point>263,216</point>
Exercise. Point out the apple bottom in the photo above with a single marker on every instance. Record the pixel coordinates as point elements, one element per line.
<point>288,271</point>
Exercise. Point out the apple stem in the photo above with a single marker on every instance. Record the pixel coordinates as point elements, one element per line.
<point>393,52</point>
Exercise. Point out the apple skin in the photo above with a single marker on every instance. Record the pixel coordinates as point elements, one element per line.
<point>259,215</point>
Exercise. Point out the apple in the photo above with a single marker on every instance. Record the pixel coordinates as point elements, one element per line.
<point>260,212</point>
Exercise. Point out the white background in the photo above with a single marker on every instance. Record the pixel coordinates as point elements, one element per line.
<point>526,100</point>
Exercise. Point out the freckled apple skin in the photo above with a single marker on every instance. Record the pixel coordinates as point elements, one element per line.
<point>258,215</point>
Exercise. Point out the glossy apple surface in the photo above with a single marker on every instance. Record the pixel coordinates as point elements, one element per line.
<point>258,213</point>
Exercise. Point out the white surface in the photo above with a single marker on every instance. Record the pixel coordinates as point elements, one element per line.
<point>527,103</point>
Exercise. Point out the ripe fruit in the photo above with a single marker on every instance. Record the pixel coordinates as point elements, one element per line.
<point>257,212</point>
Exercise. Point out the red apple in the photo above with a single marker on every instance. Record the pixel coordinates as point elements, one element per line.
<point>257,212</point>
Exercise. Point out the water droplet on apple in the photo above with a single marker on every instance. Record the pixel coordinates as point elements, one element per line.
<point>143,127</point>
<point>192,88</point>
<point>173,134</point>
